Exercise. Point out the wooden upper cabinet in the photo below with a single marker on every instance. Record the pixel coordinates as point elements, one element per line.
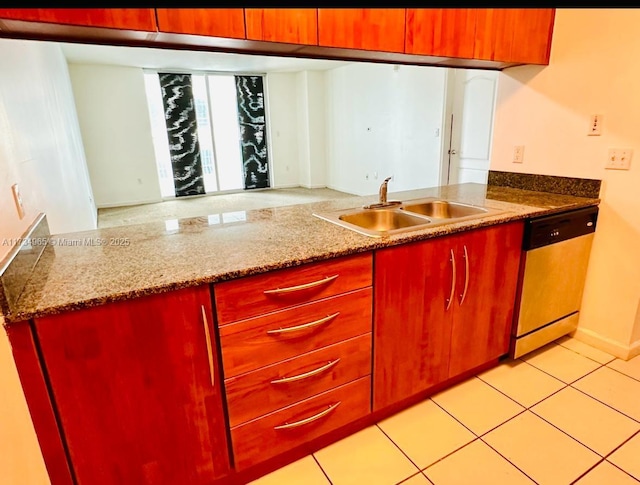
<point>442,32</point>
<point>514,34</point>
<point>290,25</point>
<point>214,22</point>
<point>376,29</point>
<point>138,389</point>
<point>116,18</point>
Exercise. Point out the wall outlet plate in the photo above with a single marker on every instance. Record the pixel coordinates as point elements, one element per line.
<point>17,199</point>
<point>518,154</point>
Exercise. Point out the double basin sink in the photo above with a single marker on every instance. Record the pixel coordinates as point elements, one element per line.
<point>379,220</point>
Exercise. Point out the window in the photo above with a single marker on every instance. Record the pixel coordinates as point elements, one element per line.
<point>218,132</point>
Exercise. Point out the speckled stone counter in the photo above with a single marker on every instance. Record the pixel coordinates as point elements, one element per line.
<point>91,268</point>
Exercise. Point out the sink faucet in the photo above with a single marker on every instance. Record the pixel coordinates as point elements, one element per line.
<point>383,191</point>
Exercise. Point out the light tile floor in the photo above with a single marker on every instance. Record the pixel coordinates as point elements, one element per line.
<point>567,413</point>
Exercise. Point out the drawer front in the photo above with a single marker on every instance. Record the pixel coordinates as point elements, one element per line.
<point>255,295</point>
<point>287,428</point>
<point>276,386</point>
<point>261,341</point>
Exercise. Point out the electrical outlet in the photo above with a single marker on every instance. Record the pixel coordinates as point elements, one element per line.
<point>595,125</point>
<point>18,200</point>
<point>518,154</point>
<point>619,158</point>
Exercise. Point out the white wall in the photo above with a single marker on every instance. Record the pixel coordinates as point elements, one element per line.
<point>114,120</point>
<point>283,128</point>
<point>593,69</point>
<point>40,143</point>
<point>382,120</point>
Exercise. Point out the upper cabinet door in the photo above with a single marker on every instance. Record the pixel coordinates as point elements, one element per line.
<point>514,34</point>
<point>376,29</point>
<point>117,18</point>
<point>290,25</point>
<point>214,22</point>
<point>442,32</point>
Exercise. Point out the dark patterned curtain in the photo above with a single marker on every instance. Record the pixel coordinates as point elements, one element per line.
<point>182,128</point>
<point>251,117</point>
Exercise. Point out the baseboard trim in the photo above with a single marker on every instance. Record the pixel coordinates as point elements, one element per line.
<point>128,204</point>
<point>613,347</point>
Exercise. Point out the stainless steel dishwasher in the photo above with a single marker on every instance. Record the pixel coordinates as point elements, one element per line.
<point>553,269</point>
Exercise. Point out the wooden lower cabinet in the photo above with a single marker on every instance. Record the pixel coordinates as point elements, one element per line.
<point>280,431</point>
<point>442,307</point>
<point>138,389</point>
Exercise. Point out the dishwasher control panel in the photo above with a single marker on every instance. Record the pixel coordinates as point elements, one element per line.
<point>545,230</point>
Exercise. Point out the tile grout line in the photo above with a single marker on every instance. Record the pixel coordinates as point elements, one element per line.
<point>602,402</point>
<point>507,459</point>
<point>620,372</point>
<point>586,356</point>
<point>523,405</point>
<point>600,366</point>
<point>401,451</point>
<point>321,469</point>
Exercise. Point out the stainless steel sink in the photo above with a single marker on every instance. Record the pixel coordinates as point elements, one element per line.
<point>409,216</point>
<point>443,209</point>
<point>376,222</point>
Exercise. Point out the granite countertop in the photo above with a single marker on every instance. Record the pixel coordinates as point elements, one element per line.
<point>84,269</point>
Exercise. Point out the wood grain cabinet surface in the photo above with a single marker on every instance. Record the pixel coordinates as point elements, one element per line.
<point>116,18</point>
<point>442,307</point>
<point>291,25</point>
<point>375,29</point>
<point>138,389</point>
<point>214,22</point>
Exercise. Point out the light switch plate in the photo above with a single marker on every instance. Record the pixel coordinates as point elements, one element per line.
<point>619,159</point>
<point>17,199</point>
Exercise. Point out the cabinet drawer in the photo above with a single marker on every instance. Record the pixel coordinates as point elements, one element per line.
<point>276,386</point>
<point>260,341</point>
<point>248,297</point>
<point>287,428</point>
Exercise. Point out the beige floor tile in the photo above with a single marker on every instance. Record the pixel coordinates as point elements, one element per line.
<point>612,388</point>
<point>426,433</point>
<point>541,451</point>
<point>561,362</point>
<point>477,405</point>
<point>522,382</point>
<point>304,471</point>
<point>627,457</point>
<point>628,367</point>
<point>418,479</point>
<point>365,457</point>
<point>606,474</point>
<point>585,349</point>
<point>476,463</point>
<point>590,422</point>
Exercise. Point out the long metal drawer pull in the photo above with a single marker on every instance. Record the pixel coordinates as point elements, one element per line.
<point>308,420</point>
<point>306,375</point>
<point>306,286</point>
<point>207,336</point>
<point>453,280</point>
<point>466,275</point>
<point>304,326</point>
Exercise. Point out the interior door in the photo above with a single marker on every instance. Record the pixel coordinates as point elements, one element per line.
<point>472,110</point>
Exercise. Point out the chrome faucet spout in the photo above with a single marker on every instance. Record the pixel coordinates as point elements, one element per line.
<point>383,190</point>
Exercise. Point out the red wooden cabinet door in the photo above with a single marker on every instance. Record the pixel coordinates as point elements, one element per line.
<point>520,35</point>
<point>487,261</point>
<point>412,324</point>
<point>443,32</point>
<point>117,18</point>
<point>214,22</point>
<point>375,29</point>
<point>132,383</point>
<point>290,25</point>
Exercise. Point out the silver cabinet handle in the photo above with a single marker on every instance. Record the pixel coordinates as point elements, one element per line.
<point>207,336</point>
<point>466,275</point>
<point>304,326</point>
<point>306,286</point>
<point>306,375</point>
<point>453,280</point>
<point>308,420</point>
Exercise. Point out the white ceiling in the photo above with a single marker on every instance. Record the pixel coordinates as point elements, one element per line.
<point>153,58</point>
